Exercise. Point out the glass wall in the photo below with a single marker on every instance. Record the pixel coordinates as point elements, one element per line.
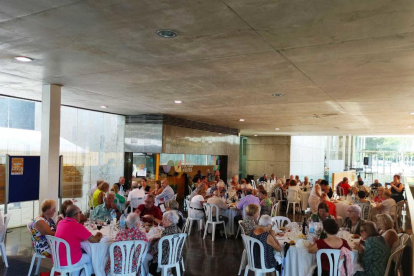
<point>92,145</point>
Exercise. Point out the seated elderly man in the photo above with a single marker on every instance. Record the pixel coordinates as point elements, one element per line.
<point>148,211</point>
<point>220,188</point>
<point>167,193</point>
<point>105,209</point>
<point>248,199</point>
<point>74,233</point>
<point>221,204</point>
<point>135,193</point>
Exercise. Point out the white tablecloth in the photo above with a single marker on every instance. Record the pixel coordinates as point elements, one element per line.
<point>341,208</point>
<point>99,251</point>
<point>231,228</point>
<point>304,196</point>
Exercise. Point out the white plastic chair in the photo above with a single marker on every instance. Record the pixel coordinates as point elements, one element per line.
<point>403,238</point>
<point>393,212</point>
<point>129,250</point>
<point>176,244</point>
<point>275,209</point>
<point>280,221</point>
<point>250,243</point>
<point>254,183</point>
<point>174,197</point>
<point>244,254</point>
<point>55,244</point>
<point>3,238</point>
<point>136,201</point>
<point>208,208</point>
<point>292,200</point>
<point>189,221</point>
<point>396,257</point>
<point>35,255</point>
<point>334,262</point>
<point>279,194</point>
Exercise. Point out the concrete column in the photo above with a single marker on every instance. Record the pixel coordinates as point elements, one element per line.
<point>49,146</point>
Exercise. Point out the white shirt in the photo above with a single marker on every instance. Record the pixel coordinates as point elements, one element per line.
<point>196,202</point>
<point>135,193</point>
<point>386,205</point>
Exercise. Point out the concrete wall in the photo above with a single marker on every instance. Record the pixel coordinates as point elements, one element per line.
<point>268,155</point>
<point>307,154</point>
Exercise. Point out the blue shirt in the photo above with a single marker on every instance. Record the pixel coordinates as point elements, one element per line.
<point>167,194</point>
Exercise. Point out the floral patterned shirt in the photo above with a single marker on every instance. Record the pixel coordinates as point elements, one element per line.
<point>39,241</point>
<point>126,235</point>
<point>171,230</point>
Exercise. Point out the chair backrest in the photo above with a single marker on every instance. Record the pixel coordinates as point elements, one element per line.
<point>365,211</point>
<point>241,227</point>
<point>136,201</point>
<point>254,183</point>
<point>280,221</point>
<point>333,257</point>
<point>274,210</point>
<point>393,212</point>
<point>130,251</point>
<point>208,209</point>
<point>396,257</point>
<point>403,238</point>
<point>4,228</point>
<point>55,244</point>
<point>292,195</point>
<point>176,244</point>
<point>250,243</point>
<point>341,191</point>
<point>174,197</point>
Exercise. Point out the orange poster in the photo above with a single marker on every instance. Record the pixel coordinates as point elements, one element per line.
<point>17,166</point>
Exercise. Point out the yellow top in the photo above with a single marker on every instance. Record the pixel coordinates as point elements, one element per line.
<point>95,198</point>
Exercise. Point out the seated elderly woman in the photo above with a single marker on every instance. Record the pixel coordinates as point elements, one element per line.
<point>120,198</point>
<point>331,228</point>
<point>374,250</point>
<point>63,209</point>
<point>353,220</point>
<point>43,225</point>
<point>385,206</point>
<point>250,220</point>
<point>264,233</point>
<point>362,202</point>
<point>99,194</point>
<point>169,221</point>
<point>323,213</point>
<point>265,203</point>
<point>174,206</point>
<point>386,228</point>
<point>196,205</point>
<point>130,233</point>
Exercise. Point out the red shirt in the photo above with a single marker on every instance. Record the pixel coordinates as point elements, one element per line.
<point>346,188</point>
<point>154,211</point>
<point>332,208</point>
<point>74,233</point>
<point>324,259</point>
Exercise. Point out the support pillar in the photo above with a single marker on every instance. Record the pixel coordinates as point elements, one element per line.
<point>50,143</point>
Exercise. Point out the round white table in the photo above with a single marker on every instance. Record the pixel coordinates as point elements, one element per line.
<point>99,251</point>
<point>304,197</point>
<point>231,228</point>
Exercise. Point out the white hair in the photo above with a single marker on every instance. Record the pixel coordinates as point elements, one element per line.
<point>265,220</point>
<point>111,193</point>
<point>132,220</point>
<point>356,209</point>
<point>134,184</point>
<point>221,184</point>
<point>172,216</point>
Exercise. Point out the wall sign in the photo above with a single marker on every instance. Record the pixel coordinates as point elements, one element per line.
<point>17,166</point>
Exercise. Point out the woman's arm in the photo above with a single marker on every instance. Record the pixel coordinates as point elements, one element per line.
<point>398,189</point>
<point>44,228</point>
<point>318,190</point>
<point>390,239</point>
<point>313,248</point>
<point>100,198</point>
<point>271,240</point>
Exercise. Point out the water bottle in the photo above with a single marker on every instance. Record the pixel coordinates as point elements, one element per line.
<point>311,231</point>
<point>122,221</point>
<point>113,215</point>
<point>353,197</point>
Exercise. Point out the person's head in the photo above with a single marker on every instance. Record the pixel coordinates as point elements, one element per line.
<point>204,179</point>
<point>252,210</point>
<point>217,178</point>
<point>171,205</point>
<point>104,187</point>
<point>306,179</point>
<point>144,182</point>
<point>397,178</point>
<point>265,176</point>
<point>330,226</point>
<point>297,177</point>
<point>134,184</point>
<point>64,207</point>
<point>170,218</point>
<point>199,172</point>
<point>291,177</point>
<point>324,183</point>
<point>115,189</point>
<point>99,181</point>
<point>235,178</point>
<point>202,192</point>
<point>110,197</point>
<point>262,194</point>
<point>133,220</point>
<point>287,184</point>
<point>361,194</point>
<point>359,178</point>
<point>360,182</point>
<point>243,181</point>
<point>293,183</point>
<point>164,183</point>
<point>354,190</point>
<point>387,193</point>
<point>149,201</point>
<point>380,191</point>
<point>121,180</point>
<point>265,221</point>
<point>345,180</point>
<point>74,212</point>
<point>260,188</point>
<point>354,211</point>
<point>48,208</point>
<point>272,176</point>
<point>368,229</point>
<point>220,185</point>
<point>249,189</point>
<point>384,222</point>
<point>196,179</point>
<point>157,184</point>
<point>323,210</point>
<point>376,181</point>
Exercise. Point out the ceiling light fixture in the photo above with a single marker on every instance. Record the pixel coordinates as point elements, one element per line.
<point>409,126</point>
<point>277,128</point>
<point>241,120</point>
<point>166,33</point>
<point>277,95</point>
<point>23,59</point>
<point>104,106</point>
<point>178,102</point>
<point>255,135</point>
<point>411,113</point>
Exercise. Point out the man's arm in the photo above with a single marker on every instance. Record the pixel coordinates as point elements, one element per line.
<point>95,238</point>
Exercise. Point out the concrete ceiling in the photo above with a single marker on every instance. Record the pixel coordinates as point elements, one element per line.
<point>343,67</point>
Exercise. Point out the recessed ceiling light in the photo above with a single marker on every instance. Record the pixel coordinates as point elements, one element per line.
<point>241,120</point>
<point>104,106</point>
<point>409,126</point>
<point>411,113</point>
<point>220,133</point>
<point>166,33</point>
<point>277,128</point>
<point>277,95</point>
<point>255,135</point>
<point>178,102</point>
<point>23,59</point>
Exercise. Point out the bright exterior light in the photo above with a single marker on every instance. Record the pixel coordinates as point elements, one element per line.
<point>277,128</point>
<point>23,59</point>
<point>255,135</point>
<point>104,106</point>
<point>241,120</point>
<point>178,102</point>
